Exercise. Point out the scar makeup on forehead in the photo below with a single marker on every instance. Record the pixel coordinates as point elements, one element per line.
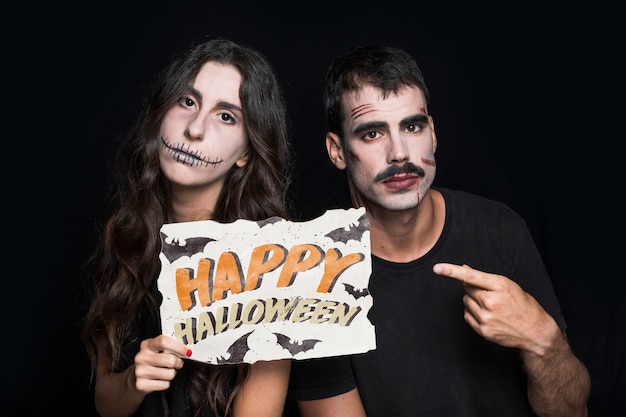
<point>429,162</point>
<point>361,110</point>
<point>184,154</point>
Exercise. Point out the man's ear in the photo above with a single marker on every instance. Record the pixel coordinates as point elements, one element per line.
<point>243,160</point>
<point>334,147</point>
<point>432,128</point>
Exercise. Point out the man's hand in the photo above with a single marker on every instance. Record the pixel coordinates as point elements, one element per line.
<point>499,310</point>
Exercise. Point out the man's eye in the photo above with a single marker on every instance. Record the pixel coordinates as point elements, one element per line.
<point>371,135</point>
<point>413,128</point>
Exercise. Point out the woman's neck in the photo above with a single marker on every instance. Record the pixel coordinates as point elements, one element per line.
<point>192,204</point>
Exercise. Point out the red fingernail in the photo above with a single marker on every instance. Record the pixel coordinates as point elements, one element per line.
<point>188,352</point>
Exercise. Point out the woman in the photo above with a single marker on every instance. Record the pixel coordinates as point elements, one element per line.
<point>210,143</point>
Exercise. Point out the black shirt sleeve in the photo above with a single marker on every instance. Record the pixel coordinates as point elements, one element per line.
<point>313,379</point>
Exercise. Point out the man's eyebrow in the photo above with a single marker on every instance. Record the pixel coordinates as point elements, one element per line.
<point>417,118</point>
<point>366,127</point>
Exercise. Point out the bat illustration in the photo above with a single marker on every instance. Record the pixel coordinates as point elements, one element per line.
<point>174,250</point>
<point>295,347</point>
<point>356,293</point>
<point>354,232</point>
<point>271,220</point>
<point>237,350</point>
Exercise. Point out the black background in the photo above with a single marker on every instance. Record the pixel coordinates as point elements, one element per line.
<point>527,102</point>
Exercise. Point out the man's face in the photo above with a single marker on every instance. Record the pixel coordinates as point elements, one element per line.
<point>389,147</point>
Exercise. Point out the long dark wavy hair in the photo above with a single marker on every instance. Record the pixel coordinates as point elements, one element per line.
<point>125,265</point>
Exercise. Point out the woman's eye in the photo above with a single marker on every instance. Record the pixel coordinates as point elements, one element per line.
<point>227,117</point>
<point>187,102</point>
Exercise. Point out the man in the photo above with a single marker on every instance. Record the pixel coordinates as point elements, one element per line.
<point>467,322</point>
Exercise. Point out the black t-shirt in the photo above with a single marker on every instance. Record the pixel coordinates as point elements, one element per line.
<point>428,361</point>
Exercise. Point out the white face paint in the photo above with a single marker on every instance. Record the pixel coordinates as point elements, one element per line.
<point>389,147</point>
<point>203,136</point>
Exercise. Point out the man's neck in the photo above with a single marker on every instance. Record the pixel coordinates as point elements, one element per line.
<point>409,235</point>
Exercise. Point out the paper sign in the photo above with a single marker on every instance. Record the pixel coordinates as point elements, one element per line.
<point>273,289</point>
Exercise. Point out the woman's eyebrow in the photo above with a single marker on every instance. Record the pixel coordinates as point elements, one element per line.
<point>229,105</point>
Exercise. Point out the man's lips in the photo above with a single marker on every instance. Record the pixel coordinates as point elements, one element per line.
<point>400,182</point>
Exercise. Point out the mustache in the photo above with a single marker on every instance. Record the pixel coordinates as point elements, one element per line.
<point>395,169</point>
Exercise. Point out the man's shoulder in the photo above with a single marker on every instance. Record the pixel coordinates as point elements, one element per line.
<point>468,202</point>
<point>465,196</point>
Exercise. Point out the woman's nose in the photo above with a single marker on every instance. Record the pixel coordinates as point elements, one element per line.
<point>196,128</point>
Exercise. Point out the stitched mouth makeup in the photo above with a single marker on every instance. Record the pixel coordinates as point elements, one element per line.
<point>184,154</point>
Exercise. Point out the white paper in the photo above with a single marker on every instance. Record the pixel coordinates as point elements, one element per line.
<point>273,289</point>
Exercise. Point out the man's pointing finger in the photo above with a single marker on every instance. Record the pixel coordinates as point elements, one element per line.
<point>461,273</point>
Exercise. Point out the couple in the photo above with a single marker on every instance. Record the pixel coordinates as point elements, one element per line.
<point>486,335</point>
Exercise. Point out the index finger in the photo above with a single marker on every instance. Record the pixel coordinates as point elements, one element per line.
<point>465,274</point>
<point>169,344</point>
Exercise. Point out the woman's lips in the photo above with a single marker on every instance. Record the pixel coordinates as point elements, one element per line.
<point>186,158</point>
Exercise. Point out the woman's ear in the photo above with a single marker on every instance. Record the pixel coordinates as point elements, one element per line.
<point>243,160</point>
<point>334,147</point>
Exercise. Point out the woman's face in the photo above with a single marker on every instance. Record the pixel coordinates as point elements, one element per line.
<point>204,135</point>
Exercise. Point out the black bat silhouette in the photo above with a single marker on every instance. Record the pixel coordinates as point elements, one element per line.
<point>295,347</point>
<point>271,220</point>
<point>237,350</point>
<point>353,232</point>
<point>354,292</point>
<point>174,250</point>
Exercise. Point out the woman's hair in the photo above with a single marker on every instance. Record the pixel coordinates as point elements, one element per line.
<point>126,264</point>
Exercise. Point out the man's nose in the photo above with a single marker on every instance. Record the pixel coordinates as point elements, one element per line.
<point>398,149</point>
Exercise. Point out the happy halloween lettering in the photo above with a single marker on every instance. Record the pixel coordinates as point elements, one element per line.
<point>215,279</point>
<point>295,309</point>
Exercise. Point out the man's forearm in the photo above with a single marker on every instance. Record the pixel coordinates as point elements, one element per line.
<point>558,383</point>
